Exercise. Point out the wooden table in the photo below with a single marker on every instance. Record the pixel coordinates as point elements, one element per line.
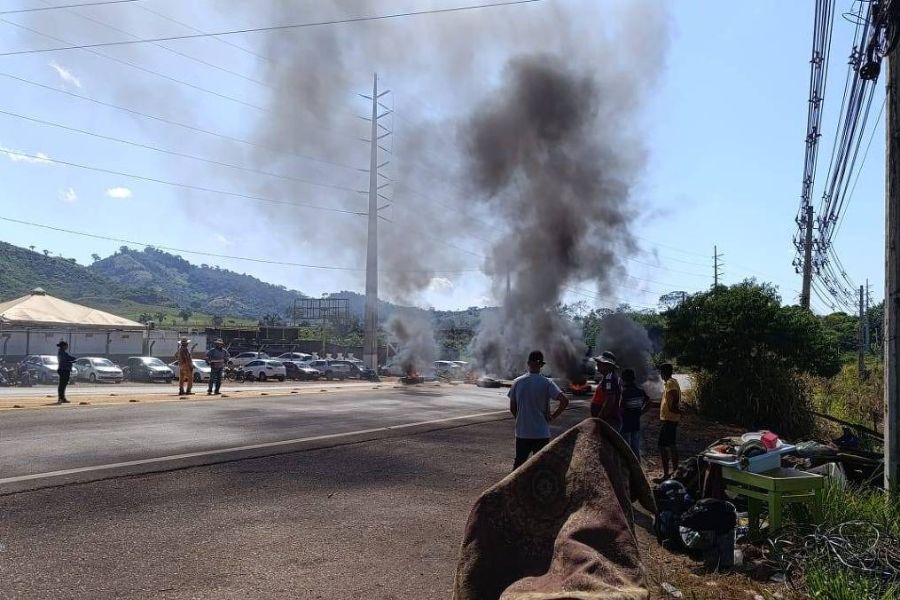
<point>776,488</point>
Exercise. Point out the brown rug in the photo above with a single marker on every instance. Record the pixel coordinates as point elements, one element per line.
<point>561,526</point>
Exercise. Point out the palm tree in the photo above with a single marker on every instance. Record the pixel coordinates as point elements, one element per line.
<point>31,248</point>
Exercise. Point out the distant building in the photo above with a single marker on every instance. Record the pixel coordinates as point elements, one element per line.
<point>33,324</point>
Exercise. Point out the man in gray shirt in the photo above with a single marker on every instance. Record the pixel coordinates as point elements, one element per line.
<point>529,403</point>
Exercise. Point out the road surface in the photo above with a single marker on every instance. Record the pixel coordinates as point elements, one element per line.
<point>48,447</point>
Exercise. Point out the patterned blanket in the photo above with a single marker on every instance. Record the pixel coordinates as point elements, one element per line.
<point>561,526</point>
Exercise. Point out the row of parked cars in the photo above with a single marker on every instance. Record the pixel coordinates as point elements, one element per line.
<point>447,369</point>
<point>256,366</point>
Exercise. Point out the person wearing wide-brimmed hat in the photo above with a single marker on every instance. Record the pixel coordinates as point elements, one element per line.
<point>607,400</point>
<point>185,367</point>
<point>216,356</point>
<point>64,370</point>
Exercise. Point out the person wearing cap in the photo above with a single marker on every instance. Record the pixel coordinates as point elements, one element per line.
<point>217,356</point>
<point>185,368</point>
<point>669,415</point>
<point>64,370</point>
<point>529,402</point>
<point>607,401</point>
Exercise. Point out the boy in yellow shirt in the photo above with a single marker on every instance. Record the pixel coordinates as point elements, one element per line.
<point>670,415</point>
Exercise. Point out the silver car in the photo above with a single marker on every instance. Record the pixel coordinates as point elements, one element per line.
<point>96,368</point>
<point>43,368</point>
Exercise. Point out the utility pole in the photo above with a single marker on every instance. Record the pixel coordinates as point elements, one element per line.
<point>867,341</point>
<point>807,259</point>
<point>717,267</point>
<point>370,342</point>
<point>860,342</point>
<point>892,277</point>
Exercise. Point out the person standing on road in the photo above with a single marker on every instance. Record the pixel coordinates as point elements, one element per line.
<point>64,370</point>
<point>185,368</point>
<point>670,415</point>
<point>634,403</point>
<point>607,401</point>
<point>529,402</point>
<point>217,356</point>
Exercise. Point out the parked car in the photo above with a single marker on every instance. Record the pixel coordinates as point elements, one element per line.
<point>261,370</point>
<point>246,357</point>
<point>295,372</point>
<point>97,368</point>
<point>447,369</point>
<point>148,368</point>
<point>331,369</point>
<point>42,368</point>
<point>201,369</point>
<point>393,369</point>
<point>356,370</point>
<point>294,357</point>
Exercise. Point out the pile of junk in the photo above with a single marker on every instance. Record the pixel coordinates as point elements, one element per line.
<point>732,491</point>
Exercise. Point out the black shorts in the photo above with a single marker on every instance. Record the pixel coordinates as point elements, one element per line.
<point>667,434</point>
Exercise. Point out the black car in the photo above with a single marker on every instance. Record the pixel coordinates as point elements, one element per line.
<point>148,368</point>
<point>295,372</point>
<point>358,370</point>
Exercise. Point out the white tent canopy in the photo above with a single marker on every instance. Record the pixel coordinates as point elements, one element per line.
<point>37,309</point>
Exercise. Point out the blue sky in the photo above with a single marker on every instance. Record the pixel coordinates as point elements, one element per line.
<point>723,129</point>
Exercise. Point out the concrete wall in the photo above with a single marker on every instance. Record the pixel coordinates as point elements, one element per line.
<point>163,343</point>
<point>16,343</point>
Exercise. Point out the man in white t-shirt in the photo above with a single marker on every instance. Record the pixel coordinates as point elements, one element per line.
<point>529,403</point>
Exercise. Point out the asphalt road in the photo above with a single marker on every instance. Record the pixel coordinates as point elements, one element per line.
<point>47,447</point>
<point>125,389</point>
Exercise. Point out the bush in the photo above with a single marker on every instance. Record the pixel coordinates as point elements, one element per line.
<point>751,353</point>
<point>847,397</point>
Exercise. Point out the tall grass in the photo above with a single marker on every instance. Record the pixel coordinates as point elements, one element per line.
<point>824,576</point>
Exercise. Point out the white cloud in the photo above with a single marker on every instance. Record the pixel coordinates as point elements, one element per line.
<point>439,284</point>
<point>118,193</point>
<point>223,240</point>
<point>65,74</point>
<point>68,195</point>
<point>38,158</point>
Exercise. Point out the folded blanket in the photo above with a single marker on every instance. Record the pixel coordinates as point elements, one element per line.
<point>561,526</point>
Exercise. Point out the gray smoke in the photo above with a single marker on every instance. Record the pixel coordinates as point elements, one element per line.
<point>414,335</point>
<point>545,156</point>
<point>630,343</point>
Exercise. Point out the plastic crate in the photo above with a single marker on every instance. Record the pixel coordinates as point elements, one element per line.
<point>757,464</point>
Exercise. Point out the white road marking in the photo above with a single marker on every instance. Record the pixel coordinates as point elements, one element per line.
<point>174,457</point>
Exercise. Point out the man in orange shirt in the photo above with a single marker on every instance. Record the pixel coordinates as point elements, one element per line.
<point>607,401</point>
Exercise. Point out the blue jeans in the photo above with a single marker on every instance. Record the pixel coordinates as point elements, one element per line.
<point>215,378</point>
<point>634,440</point>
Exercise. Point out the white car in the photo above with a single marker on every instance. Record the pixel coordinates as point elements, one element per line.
<point>246,357</point>
<point>294,357</point>
<point>261,370</point>
<point>331,369</point>
<point>447,368</point>
<point>96,368</point>
<point>201,369</point>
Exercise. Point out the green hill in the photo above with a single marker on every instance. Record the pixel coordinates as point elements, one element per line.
<point>22,270</point>
<point>203,288</point>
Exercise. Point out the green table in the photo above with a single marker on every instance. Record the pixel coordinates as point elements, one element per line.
<point>776,488</point>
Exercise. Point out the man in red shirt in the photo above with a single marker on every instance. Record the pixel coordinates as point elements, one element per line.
<point>607,401</point>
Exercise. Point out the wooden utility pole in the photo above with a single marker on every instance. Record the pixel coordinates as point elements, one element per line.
<point>892,277</point>
<point>807,259</point>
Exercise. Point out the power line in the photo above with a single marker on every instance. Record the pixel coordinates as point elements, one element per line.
<point>61,6</point>
<point>174,152</point>
<point>273,27</point>
<point>214,255</point>
<point>187,126</point>
<point>187,186</point>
